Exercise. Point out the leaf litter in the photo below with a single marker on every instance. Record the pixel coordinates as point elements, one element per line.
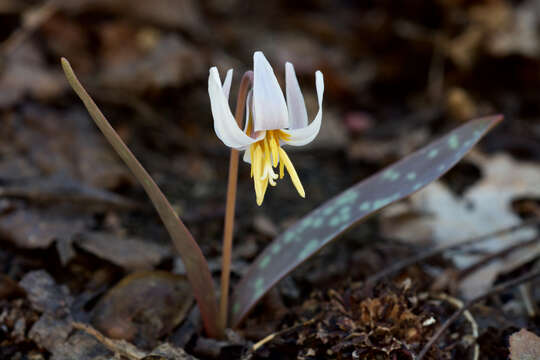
<point>70,192</point>
<point>443,217</point>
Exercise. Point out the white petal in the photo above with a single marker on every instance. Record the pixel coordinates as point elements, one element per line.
<point>269,107</point>
<point>303,136</point>
<point>295,101</point>
<point>227,83</point>
<point>225,125</point>
<point>249,109</point>
<point>247,156</point>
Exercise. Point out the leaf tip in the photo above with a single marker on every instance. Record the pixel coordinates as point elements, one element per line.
<point>65,64</point>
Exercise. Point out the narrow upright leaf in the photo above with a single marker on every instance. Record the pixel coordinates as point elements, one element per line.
<point>331,219</point>
<point>197,269</point>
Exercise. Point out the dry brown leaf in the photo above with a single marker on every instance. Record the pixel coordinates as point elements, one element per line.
<point>129,253</point>
<point>143,307</point>
<point>441,216</point>
<point>524,345</point>
<point>34,229</point>
<point>519,35</point>
<point>167,61</point>
<point>182,14</point>
<point>24,72</point>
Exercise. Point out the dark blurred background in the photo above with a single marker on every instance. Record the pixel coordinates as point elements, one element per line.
<point>397,73</point>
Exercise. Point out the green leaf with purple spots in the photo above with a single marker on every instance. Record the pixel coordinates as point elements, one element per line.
<point>334,217</point>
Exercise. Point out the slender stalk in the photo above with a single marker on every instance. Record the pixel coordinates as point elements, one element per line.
<point>246,82</point>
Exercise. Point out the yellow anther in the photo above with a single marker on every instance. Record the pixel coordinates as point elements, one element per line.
<point>266,154</point>
<point>292,172</point>
<point>274,146</point>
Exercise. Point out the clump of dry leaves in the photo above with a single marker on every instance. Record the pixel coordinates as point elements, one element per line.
<point>394,322</point>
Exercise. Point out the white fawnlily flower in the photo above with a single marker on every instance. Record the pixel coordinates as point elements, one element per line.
<point>270,121</point>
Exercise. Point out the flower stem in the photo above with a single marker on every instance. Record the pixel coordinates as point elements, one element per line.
<point>246,82</point>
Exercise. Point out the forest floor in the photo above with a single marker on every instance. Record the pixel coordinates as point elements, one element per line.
<point>87,271</point>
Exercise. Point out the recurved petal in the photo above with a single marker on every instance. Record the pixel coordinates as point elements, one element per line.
<point>295,100</point>
<point>249,112</point>
<point>247,156</point>
<point>303,136</point>
<point>269,107</point>
<point>227,83</point>
<point>225,125</point>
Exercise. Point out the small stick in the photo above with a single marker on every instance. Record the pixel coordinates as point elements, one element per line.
<point>530,306</point>
<point>32,20</point>
<point>247,80</point>
<point>496,255</point>
<point>121,347</point>
<point>494,291</point>
<point>474,326</point>
<point>392,269</point>
<point>271,337</point>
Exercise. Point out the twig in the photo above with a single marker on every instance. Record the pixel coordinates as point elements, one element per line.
<point>474,326</point>
<point>121,347</point>
<point>271,337</point>
<point>247,80</point>
<point>396,267</point>
<point>530,306</point>
<point>496,255</point>
<point>32,20</point>
<point>494,291</point>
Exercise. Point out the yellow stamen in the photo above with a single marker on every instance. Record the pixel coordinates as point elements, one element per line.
<point>266,155</point>
<point>251,156</point>
<point>257,167</point>
<point>292,172</point>
<point>274,146</point>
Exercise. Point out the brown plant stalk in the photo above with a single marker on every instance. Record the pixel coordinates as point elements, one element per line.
<point>245,84</point>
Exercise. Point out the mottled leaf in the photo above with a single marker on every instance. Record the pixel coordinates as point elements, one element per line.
<point>331,219</point>
<point>197,269</point>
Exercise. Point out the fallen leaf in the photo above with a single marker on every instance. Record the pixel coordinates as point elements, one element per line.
<point>183,14</point>
<point>169,62</point>
<point>518,34</point>
<point>34,229</point>
<point>81,346</point>
<point>65,142</point>
<point>168,352</point>
<point>129,253</point>
<point>62,189</point>
<point>524,345</point>
<point>143,307</point>
<point>53,301</point>
<point>437,214</point>
<point>44,294</point>
<point>24,73</point>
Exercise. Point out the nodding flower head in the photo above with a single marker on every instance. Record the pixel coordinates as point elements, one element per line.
<point>270,121</point>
